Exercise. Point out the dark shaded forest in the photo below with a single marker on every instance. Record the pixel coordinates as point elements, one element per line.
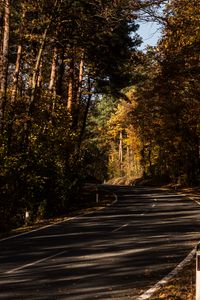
<point>79,102</point>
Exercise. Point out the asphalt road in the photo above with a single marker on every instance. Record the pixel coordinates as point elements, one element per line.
<point>115,253</point>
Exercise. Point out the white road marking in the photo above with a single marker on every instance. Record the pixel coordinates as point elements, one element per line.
<point>37,229</point>
<point>147,211</point>
<point>56,223</point>
<point>34,263</point>
<point>116,198</point>
<point>146,295</point>
<point>117,229</point>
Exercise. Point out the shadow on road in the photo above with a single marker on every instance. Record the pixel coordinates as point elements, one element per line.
<point>113,254</point>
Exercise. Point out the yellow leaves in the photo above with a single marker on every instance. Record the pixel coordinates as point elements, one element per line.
<point>119,120</point>
<point>183,26</point>
<point>123,138</point>
<point>133,137</point>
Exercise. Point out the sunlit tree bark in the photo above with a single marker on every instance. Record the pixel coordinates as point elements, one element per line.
<point>70,94</point>
<point>4,59</point>
<point>80,80</point>
<point>52,82</point>
<point>18,60</point>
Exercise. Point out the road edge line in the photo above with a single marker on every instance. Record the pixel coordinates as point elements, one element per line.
<point>34,263</point>
<point>149,293</point>
<point>59,222</point>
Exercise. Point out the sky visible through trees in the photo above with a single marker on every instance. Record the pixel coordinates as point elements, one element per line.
<point>150,33</point>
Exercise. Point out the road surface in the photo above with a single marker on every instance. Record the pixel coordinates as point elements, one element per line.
<point>115,253</point>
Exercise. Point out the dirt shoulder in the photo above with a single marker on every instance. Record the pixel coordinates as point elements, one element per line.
<point>192,192</point>
<point>181,287</point>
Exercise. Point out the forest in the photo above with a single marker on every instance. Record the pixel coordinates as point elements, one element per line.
<point>80,102</point>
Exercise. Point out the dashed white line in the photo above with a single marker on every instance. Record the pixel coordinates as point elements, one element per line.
<point>34,263</point>
<point>119,228</point>
<point>196,201</point>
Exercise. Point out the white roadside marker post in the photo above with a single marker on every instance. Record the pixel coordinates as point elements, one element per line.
<point>198,272</point>
<point>27,215</point>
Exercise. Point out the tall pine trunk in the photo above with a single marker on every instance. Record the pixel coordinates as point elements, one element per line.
<point>80,81</point>
<point>61,72</point>
<point>1,26</point>
<point>121,152</point>
<point>36,70</point>
<point>78,93</point>
<point>36,79</point>
<point>70,94</point>
<point>53,77</point>
<point>18,61</point>
<point>52,82</point>
<point>4,60</point>
<point>84,121</point>
<point>38,64</point>
<point>1,49</point>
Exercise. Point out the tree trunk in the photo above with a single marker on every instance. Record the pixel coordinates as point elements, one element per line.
<point>121,152</point>
<point>39,79</point>
<point>18,62</point>
<point>37,66</point>
<point>77,96</point>
<point>35,80</point>
<point>80,81</point>
<point>16,73</point>
<point>15,84</point>
<point>52,82</point>
<point>37,69</point>
<point>1,53</point>
<point>70,100</point>
<point>1,25</point>
<point>4,60</point>
<point>85,113</point>
<point>150,162</point>
<point>61,71</point>
<point>128,161</point>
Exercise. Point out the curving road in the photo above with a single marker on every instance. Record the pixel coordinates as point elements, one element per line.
<point>115,253</point>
